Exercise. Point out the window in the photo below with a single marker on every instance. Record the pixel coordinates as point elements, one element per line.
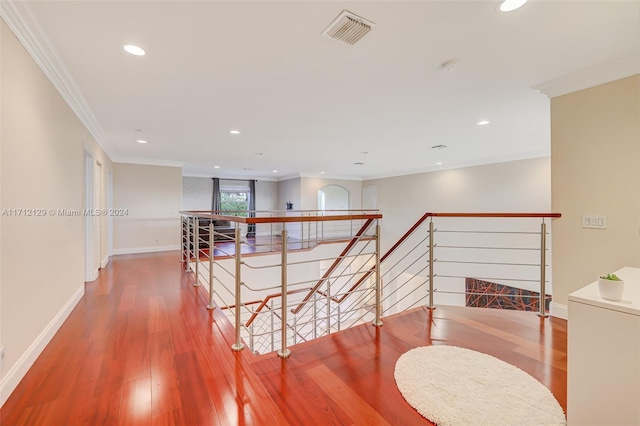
<point>236,201</point>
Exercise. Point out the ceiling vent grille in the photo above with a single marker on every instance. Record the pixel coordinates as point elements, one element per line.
<point>348,28</point>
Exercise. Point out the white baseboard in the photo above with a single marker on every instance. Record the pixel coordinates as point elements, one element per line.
<point>24,363</point>
<point>104,262</point>
<point>152,249</point>
<point>559,311</point>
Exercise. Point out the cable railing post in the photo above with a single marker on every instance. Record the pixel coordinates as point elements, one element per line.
<point>328,307</point>
<point>315,315</point>
<point>273,325</point>
<point>295,331</point>
<point>252,329</point>
<point>238,345</point>
<point>182,235</point>
<point>187,264</point>
<point>431,245</point>
<point>196,237</point>
<point>211,304</point>
<point>378,320</point>
<point>543,263</point>
<point>284,352</point>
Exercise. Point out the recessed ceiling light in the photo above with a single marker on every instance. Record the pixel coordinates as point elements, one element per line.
<point>258,153</point>
<point>358,164</point>
<point>483,123</point>
<point>234,132</point>
<point>321,173</point>
<point>141,141</point>
<point>216,167</point>
<point>364,152</point>
<point>134,50</point>
<point>247,168</point>
<point>510,5</point>
<point>438,147</point>
<point>275,171</point>
<point>439,163</point>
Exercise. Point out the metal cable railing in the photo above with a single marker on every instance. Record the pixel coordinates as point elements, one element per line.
<point>289,294</point>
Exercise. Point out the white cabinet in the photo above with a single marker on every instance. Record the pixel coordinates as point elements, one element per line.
<point>603,369</point>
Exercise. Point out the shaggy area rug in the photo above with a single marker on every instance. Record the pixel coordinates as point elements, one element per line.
<point>455,386</point>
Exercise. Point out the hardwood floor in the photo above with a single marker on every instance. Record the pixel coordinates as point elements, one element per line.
<point>141,348</point>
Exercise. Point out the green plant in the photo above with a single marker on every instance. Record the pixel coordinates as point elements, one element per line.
<point>610,277</point>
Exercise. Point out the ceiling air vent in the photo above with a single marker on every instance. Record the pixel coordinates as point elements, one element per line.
<point>348,28</point>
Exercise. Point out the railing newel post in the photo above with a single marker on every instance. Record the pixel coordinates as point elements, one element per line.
<point>378,320</point>
<point>328,307</point>
<point>182,237</point>
<point>315,316</point>
<point>187,266</point>
<point>284,352</point>
<point>238,345</point>
<point>431,246</point>
<point>211,242</point>
<point>252,332</point>
<point>542,312</point>
<point>197,250</point>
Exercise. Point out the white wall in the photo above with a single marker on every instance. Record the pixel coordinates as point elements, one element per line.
<point>517,186</point>
<point>289,191</point>
<point>42,167</point>
<point>196,193</point>
<point>309,192</point>
<point>595,152</point>
<point>152,196</point>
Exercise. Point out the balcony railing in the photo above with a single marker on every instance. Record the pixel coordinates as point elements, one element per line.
<point>280,290</point>
<point>272,286</point>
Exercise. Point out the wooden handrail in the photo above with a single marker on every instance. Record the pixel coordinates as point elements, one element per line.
<point>335,264</point>
<point>269,297</point>
<point>531,215</point>
<point>203,214</point>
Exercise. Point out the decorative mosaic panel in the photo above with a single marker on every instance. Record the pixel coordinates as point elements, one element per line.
<point>484,294</point>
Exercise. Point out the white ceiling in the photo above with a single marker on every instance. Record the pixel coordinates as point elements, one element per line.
<point>312,104</point>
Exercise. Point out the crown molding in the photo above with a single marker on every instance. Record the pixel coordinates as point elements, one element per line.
<point>150,162</point>
<point>26,27</point>
<point>330,177</point>
<point>228,177</point>
<point>591,77</point>
<point>464,164</point>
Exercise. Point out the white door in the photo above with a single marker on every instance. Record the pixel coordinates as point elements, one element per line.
<point>98,218</point>
<point>90,265</point>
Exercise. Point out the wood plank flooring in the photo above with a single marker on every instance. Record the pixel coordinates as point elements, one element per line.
<point>141,348</point>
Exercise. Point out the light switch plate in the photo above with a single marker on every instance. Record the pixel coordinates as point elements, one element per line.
<point>594,222</point>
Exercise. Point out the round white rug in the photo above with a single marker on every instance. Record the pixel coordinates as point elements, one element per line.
<point>455,386</point>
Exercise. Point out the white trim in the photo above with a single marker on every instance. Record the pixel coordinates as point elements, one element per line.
<point>479,162</point>
<point>154,249</point>
<point>591,77</point>
<point>24,363</point>
<point>24,24</point>
<point>104,262</point>
<point>559,311</point>
<point>91,278</point>
<point>187,173</point>
<point>150,162</point>
<point>329,177</point>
